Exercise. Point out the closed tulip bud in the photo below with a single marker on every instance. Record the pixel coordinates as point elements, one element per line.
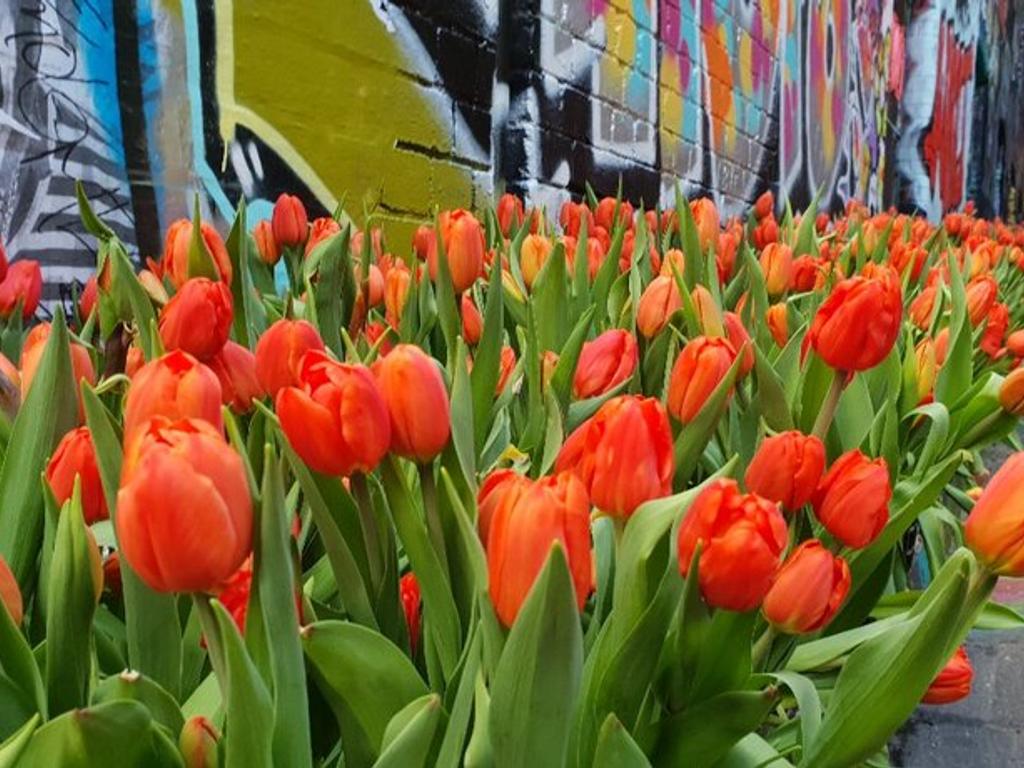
<point>804,274</point>
<point>1011,392</point>
<point>409,593</point>
<point>510,213</point>
<point>279,352</point>
<point>604,363</point>
<point>24,283</point>
<point>953,682</point>
<point>604,216</point>
<point>176,386</point>
<point>573,215</point>
<point>10,593</point>
<point>741,538</point>
<point>198,318</point>
<point>981,295</point>
<point>623,454</point>
<point>553,509</point>
<point>532,255</point>
<point>417,402</point>
<point>926,368</point>
<point>266,245</point>
<point>698,370</point>
<point>198,743</point>
<point>396,293</point>
<point>463,239</point>
<point>375,284</point>
<point>336,420</point>
<point>178,244</point>
<point>922,306</point>
<point>289,221</point>
<point>705,216</point>
<point>472,322</point>
<point>737,335</point>
<point>235,367</point>
<point>319,230</point>
<point>32,354</point>
<point>421,240</point>
<point>75,456</point>
<point>787,468</point>
<point>708,313</point>
<point>88,298</point>
<point>777,265</point>
<point>996,323</point>
<point>852,499</point>
<point>502,486</point>
<point>995,528</point>
<point>725,255</point>
<point>659,301</point>
<point>808,590</point>
<point>777,320</point>
<point>674,262</point>
<point>765,205</point>
<point>506,365</point>
<point>184,514</point>
<point>1015,343</point>
<point>856,327</point>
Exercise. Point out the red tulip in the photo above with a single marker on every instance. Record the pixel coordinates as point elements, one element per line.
<point>279,352</point>
<point>787,468</point>
<point>604,363</point>
<point>235,367</point>
<point>409,592</point>
<point>24,282</point>
<point>981,295</point>
<point>506,365</point>
<point>396,293</point>
<point>266,245</point>
<point>472,322</point>
<point>75,456</point>
<point>995,528</point>
<point>953,682</point>
<point>464,246</point>
<point>852,500</point>
<point>510,213</point>
<point>178,244</point>
<point>765,205</point>
<point>808,590</point>
<point>573,215</point>
<point>10,593</point>
<point>32,354</point>
<point>198,318</point>
<point>319,230</point>
<point>737,335</point>
<point>289,221</point>
<point>198,743</point>
<point>502,486</point>
<point>698,370</point>
<point>659,301</point>
<point>176,386</point>
<point>604,215</point>
<point>417,401</point>
<point>88,298</point>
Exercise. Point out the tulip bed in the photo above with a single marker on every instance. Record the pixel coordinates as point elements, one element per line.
<point>633,488</point>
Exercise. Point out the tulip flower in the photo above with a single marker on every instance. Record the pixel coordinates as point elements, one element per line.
<point>235,593</point>
<point>510,213</point>
<point>675,262</point>
<point>787,468</point>
<point>926,368</point>
<point>553,509</point>
<point>737,335</point>
<point>659,301</point>
<point>421,240</point>
<point>176,386</point>
<point>856,327</point>
<point>10,593</point>
<point>472,322</point>
<point>922,306</point>
<point>32,354</point>
<point>852,499</point>
<point>198,317</point>
<point>981,296</point>
<point>725,255</point>
<point>996,323</point>
<point>764,205</point>
<point>808,590</point>
<point>805,272</point>
<point>698,370</point>
<point>953,682</point>
<point>571,217</point>
<point>198,743</point>
<point>24,283</point>
<point>506,365</point>
<point>532,255</point>
<point>777,320</point>
<point>604,363</point>
<point>336,420</point>
<point>417,401</point>
<point>88,298</point>
<point>1015,343</point>
<point>184,513</point>
<point>178,245</point>
<point>604,214</point>
<point>409,593</point>
<point>708,313</point>
<point>396,293</point>
<point>319,230</point>
<point>705,216</point>
<point>75,456</point>
<point>741,538</point>
<point>995,528</point>
<point>1011,392</point>
<point>499,487</point>
<point>235,367</point>
<point>279,352</point>
<point>289,221</point>
<point>623,454</point>
<point>266,245</point>
<point>464,247</point>
<point>777,265</point>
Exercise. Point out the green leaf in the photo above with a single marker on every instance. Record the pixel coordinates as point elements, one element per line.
<point>808,703</point>
<point>366,680</point>
<point>125,281</point>
<point>616,748</point>
<point>993,615</point>
<point>690,241</point>
<point>752,751</point>
<point>550,302</point>
<point>805,235</point>
<point>132,686</point>
<point>23,690</point>
<point>487,362</point>
<point>334,267</point>
<point>237,246</point>
<point>200,260</point>
<point>49,411</point>
<point>606,275</point>
<point>537,680</point>
<point>770,395</point>
<point>955,375</point>
<point>447,309</point>
<point>92,223</point>
<point>462,416</point>
<point>409,735</point>
<point>12,748</point>
<point>450,752</point>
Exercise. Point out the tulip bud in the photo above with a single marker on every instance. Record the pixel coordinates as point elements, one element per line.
<point>464,246</point>
<point>856,327</point>
<point>532,255</point>
<point>808,590</point>
<point>472,322</point>
<point>981,295</point>
<point>24,282</point>
<point>499,487</point>
<point>32,354</point>
<point>184,514</point>
<point>604,363</point>
<point>88,298</point>
<point>421,240</point>
<point>922,306</point>
<point>737,335</point>
<point>926,368</point>
<point>953,682</point>
<point>675,262</point>
<point>176,386</point>
<point>198,743</point>
<point>996,323</point>
<point>178,244</point>
<point>506,365</point>
<point>777,265</point>
<point>786,469</point>
<point>198,318</point>
<point>777,320</point>
<point>659,301</point>
<point>553,509</point>
<point>705,216</point>
<point>741,538</point>
<point>1011,392</point>
<point>417,401</point>
<point>708,313</point>
<point>336,420</point>
<point>75,456</point>
<point>396,293</point>
<point>604,215</point>
<point>235,367</point>
<point>995,527</point>
<point>625,426</point>
<point>765,205</point>
<point>289,221</point>
<point>698,370</point>
<point>571,217</point>
<point>10,593</point>
<point>319,230</point>
<point>1015,343</point>
<point>409,592</point>
<point>279,352</point>
<point>266,245</point>
<point>510,213</point>
<point>852,499</point>
<point>725,255</point>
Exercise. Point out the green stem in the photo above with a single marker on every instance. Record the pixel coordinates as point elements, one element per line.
<point>211,633</point>
<point>762,647</point>
<point>429,490</point>
<point>371,532</point>
<point>828,406</point>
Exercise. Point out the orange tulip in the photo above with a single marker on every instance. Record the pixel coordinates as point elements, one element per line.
<point>553,509</point>
<point>75,456</point>
<point>571,217</point>
<point>266,245</point>
<point>777,320</point>
<point>510,213</point>
<point>953,682</point>
<point>926,368</point>
<point>184,514</point>
<point>659,301</point>
<point>320,230</point>
<point>176,386</point>
<point>725,255</point>
<point>675,261</point>
<point>1011,392</point>
<point>336,420</point>
<point>705,215</point>
<point>852,499</point>
<point>708,313</point>
<point>414,392</point>
<point>764,205</point>
<point>808,590</point>
<point>396,293</point>
<point>198,743</point>
<point>289,221</point>
<point>88,298</point>
<point>32,354</point>
<point>741,537</point>
<point>786,469</point>
<point>532,255</point>
<point>777,265</point>
<point>922,306</point>
<point>1015,343</point>
<point>623,454</point>
<point>24,283</point>
<point>981,295</point>
<point>279,353</point>
<point>996,323</point>
<point>235,367</point>
<point>856,327</point>
<point>10,593</point>
<point>700,367</point>
<point>472,322</point>
<point>604,363</point>
<point>198,318</point>
<point>464,246</point>
<point>502,486</point>
<point>995,528</point>
<point>177,245</point>
<point>506,365</point>
<point>604,215</point>
<point>737,335</point>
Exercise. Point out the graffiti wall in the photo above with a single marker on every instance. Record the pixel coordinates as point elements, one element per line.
<point>387,106</point>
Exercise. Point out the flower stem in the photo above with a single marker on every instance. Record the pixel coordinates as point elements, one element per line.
<point>371,532</point>
<point>762,647</point>
<point>828,406</point>
<point>211,633</point>
<point>429,490</point>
